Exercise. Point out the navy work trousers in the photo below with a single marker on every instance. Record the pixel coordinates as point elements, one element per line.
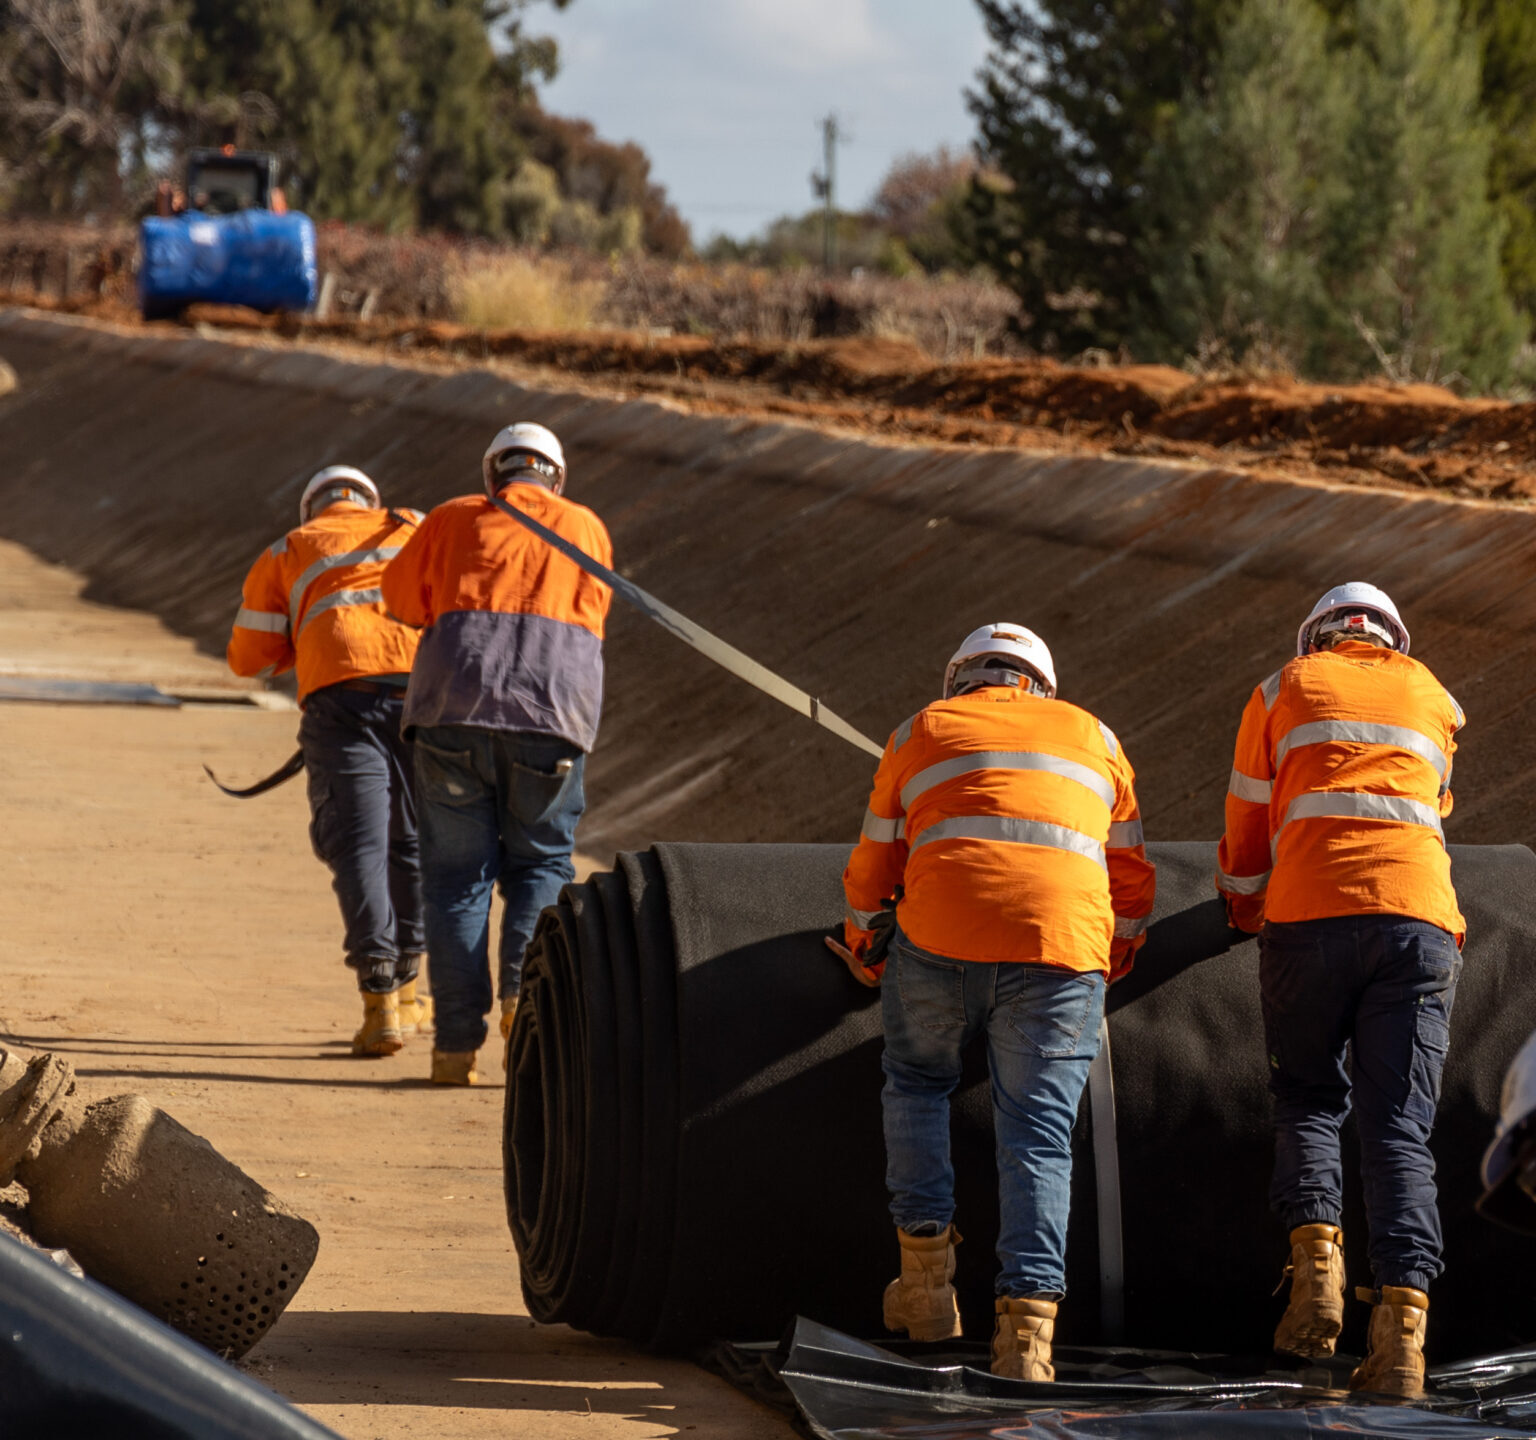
<point>498,809</point>
<point>363,826</point>
<point>1379,988</point>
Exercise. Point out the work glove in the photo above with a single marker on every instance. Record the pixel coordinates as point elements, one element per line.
<point>867,966</point>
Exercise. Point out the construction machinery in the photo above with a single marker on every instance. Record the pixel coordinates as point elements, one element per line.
<point>226,237</point>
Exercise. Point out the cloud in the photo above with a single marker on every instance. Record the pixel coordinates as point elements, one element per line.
<point>803,36</point>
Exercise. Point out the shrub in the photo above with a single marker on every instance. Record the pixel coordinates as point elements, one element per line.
<point>510,291</point>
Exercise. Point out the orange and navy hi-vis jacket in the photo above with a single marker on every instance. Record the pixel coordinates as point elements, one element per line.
<point>1340,780</point>
<point>313,599</point>
<point>513,629</point>
<point>1010,821</point>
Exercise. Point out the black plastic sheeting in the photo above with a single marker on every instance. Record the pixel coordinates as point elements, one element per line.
<point>693,1141</point>
<point>77,1360</point>
<point>841,1387</point>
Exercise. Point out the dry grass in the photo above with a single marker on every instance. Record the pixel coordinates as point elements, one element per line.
<point>510,291</point>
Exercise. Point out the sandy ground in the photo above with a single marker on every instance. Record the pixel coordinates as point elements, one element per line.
<point>184,945</point>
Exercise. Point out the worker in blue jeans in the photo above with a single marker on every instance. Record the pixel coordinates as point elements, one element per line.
<point>497,808</point>
<point>1042,1026</point>
<point>503,705</point>
<point>1001,858</point>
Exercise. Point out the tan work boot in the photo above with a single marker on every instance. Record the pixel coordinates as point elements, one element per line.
<point>1021,1339</point>
<point>921,1300</point>
<point>380,1032</point>
<point>508,1012</point>
<point>415,1008</point>
<point>1395,1362</point>
<point>454,1067</point>
<point>1312,1321</point>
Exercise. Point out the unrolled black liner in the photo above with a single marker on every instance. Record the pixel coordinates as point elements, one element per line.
<point>693,1143</point>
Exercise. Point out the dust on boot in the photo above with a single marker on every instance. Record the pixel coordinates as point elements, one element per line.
<point>1312,1321</point>
<point>455,1067</point>
<point>415,1006</point>
<point>1394,1364</point>
<point>1021,1338</point>
<point>380,1032</point>
<point>921,1300</point>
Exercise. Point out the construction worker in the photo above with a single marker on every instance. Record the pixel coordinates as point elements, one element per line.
<point>503,705</point>
<point>1334,854</point>
<point>312,602</point>
<point>1003,832</point>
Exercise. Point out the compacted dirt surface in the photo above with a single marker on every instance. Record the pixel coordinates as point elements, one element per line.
<point>1418,436</point>
<point>183,945</point>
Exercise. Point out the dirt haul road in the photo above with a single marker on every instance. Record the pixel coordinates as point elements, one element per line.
<point>183,945</point>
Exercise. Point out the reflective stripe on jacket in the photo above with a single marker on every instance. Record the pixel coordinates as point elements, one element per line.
<point>512,629</point>
<point>313,600</point>
<point>1011,822</point>
<point>1340,780</point>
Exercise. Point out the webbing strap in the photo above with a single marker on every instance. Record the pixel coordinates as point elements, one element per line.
<point>712,647</point>
<point>1106,1174</point>
<point>293,765</point>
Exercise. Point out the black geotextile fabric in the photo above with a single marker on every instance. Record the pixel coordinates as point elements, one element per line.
<point>834,1386</point>
<point>78,1362</point>
<point>693,1138</point>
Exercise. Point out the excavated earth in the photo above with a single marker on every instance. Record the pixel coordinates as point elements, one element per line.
<point>1416,436</point>
<point>189,940</point>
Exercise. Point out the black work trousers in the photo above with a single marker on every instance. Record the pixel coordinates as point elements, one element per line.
<point>363,826</point>
<point>1379,990</point>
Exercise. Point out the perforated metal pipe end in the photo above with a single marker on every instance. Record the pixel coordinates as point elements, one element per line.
<point>158,1214</point>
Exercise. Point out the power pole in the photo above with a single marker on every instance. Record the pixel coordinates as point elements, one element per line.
<point>824,185</point>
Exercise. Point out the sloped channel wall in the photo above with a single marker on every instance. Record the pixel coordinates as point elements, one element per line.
<point>158,465</point>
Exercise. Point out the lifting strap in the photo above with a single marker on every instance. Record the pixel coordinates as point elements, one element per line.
<point>712,647</point>
<point>289,768</point>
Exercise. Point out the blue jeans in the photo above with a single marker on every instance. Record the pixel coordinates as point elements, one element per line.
<point>498,808</point>
<point>1379,987</point>
<point>363,826</point>
<point>1042,1028</point>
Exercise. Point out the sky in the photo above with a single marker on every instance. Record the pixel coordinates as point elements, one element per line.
<point>727,96</point>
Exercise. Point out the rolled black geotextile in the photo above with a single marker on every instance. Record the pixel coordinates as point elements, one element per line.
<point>693,1145</point>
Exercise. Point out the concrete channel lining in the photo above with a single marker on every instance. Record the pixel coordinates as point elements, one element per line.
<point>158,464</point>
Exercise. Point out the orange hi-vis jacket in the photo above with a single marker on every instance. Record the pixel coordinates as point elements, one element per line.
<point>1010,821</point>
<point>313,599</point>
<point>1340,780</point>
<point>513,629</point>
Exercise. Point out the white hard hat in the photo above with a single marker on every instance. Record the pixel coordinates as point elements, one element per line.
<point>336,477</point>
<point>1505,1197</point>
<point>527,439</point>
<point>1007,642</point>
<point>1346,601</point>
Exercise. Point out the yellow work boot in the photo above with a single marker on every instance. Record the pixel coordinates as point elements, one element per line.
<point>415,1008</point>
<point>1394,1364</point>
<point>380,1032</point>
<point>1312,1321</point>
<point>508,1013</point>
<point>1021,1339</point>
<point>921,1300</point>
<point>454,1067</point>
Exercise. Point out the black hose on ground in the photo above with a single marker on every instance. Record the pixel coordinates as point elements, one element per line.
<point>693,1145</point>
